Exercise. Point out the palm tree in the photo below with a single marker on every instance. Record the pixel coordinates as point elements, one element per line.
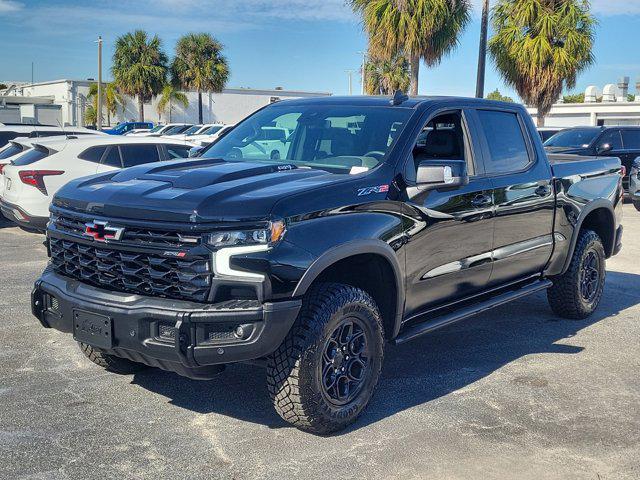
<point>422,29</point>
<point>168,97</point>
<point>90,115</point>
<point>139,67</point>
<point>383,77</point>
<point>199,65</point>
<point>540,47</point>
<point>113,101</point>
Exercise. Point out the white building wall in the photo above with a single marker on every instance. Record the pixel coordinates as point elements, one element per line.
<point>591,114</point>
<point>230,106</point>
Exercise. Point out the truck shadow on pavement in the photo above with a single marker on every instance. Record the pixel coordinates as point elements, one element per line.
<point>428,368</point>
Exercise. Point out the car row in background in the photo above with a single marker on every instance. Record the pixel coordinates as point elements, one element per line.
<point>9,131</point>
<point>41,168</point>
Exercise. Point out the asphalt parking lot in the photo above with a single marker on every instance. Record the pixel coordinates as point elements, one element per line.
<point>514,393</point>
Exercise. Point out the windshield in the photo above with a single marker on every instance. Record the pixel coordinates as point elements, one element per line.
<point>335,138</point>
<point>10,150</point>
<point>573,138</point>
<point>192,130</point>
<point>212,130</point>
<point>175,129</point>
<point>157,128</point>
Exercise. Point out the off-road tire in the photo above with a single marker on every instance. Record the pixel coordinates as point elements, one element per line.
<point>109,362</point>
<point>564,296</point>
<point>636,203</point>
<point>294,369</point>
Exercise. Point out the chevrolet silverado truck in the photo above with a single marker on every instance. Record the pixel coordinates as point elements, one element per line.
<point>430,211</point>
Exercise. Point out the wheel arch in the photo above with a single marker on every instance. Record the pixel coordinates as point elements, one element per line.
<point>360,263</point>
<point>599,217</point>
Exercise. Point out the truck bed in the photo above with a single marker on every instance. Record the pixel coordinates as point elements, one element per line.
<point>568,165</point>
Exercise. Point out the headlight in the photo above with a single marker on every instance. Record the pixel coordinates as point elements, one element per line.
<point>267,236</point>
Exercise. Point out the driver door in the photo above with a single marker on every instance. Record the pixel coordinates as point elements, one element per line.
<point>450,231</point>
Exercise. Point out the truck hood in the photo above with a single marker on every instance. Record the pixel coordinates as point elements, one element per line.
<point>194,191</point>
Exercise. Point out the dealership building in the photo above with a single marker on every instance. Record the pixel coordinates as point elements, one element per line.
<point>601,107</point>
<point>65,102</point>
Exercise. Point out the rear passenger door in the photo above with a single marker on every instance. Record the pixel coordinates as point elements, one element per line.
<point>522,194</point>
<point>631,150</point>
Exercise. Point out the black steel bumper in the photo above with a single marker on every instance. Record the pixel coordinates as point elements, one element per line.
<point>191,339</point>
<point>22,218</point>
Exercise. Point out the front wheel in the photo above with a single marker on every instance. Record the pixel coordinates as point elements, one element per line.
<point>323,375</point>
<point>636,203</point>
<point>576,294</point>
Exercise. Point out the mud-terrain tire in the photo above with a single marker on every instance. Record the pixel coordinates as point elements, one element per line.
<point>109,362</point>
<point>636,203</point>
<point>576,294</point>
<point>339,329</point>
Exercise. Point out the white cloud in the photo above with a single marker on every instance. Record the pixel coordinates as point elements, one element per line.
<point>8,6</point>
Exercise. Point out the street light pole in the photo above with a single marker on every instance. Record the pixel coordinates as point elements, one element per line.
<point>363,70</point>
<point>99,112</point>
<point>482,55</point>
<point>350,73</point>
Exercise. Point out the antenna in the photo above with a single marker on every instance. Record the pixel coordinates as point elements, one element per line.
<point>399,97</point>
<point>63,130</point>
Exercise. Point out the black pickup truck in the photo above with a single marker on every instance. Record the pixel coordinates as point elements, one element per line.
<point>373,221</point>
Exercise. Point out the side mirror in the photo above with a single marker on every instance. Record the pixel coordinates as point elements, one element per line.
<point>604,148</point>
<point>195,151</point>
<point>442,173</point>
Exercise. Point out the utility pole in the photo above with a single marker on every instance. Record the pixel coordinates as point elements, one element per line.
<point>363,69</point>
<point>31,73</point>
<point>350,73</point>
<point>482,56</point>
<point>99,112</point>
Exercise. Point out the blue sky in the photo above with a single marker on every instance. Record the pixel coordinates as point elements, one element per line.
<point>296,44</point>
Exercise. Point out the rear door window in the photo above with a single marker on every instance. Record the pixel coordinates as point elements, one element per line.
<point>133,155</point>
<point>506,143</point>
<point>112,158</point>
<point>177,151</point>
<point>93,154</point>
<point>631,139</point>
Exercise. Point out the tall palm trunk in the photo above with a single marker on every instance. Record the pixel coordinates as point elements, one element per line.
<point>540,119</point>
<point>199,107</point>
<point>141,108</point>
<point>415,73</point>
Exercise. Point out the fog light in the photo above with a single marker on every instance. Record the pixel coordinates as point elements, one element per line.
<point>239,331</point>
<point>167,331</point>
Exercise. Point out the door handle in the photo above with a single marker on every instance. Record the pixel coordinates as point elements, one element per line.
<point>543,190</point>
<point>481,201</point>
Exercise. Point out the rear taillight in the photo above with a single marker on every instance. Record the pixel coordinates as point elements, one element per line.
<point>35,178</point>
<point>1,167</point>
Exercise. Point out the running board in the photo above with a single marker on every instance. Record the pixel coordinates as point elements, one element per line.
<point>469,311</point>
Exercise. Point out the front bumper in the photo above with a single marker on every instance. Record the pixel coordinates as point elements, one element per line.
<point>191,339</point>
<point>22,218</point>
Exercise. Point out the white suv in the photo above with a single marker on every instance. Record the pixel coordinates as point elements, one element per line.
<point>9,131</point>
<point>33,177</point>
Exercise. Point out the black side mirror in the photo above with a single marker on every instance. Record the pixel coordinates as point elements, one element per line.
<point>442,173</point>
<point>604,148</point>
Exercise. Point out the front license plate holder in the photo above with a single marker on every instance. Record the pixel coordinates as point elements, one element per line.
<point>93,329</point>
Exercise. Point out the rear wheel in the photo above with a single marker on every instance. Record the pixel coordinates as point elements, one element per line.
<point>323,375</point>
<point>110,362</point>
<point>576,294</point>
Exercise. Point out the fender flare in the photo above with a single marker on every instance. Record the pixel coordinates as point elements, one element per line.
<point>590,207</point>
<point>350,249</point>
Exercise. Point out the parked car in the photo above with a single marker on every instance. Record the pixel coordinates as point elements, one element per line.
<point>547,132</point>
<point>10,131</point>
<point>619,142</point>
<point>634,183</point>
<point>32,178</point>
<point>210,135</point>
<point>267,141</point>
<point>194,132</point>
<point>126,127</point>
<point>159,130</point>
<point>310,264</point>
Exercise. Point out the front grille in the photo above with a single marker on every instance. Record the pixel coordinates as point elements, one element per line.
<point>132,235</point>
<point>142,273</point>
